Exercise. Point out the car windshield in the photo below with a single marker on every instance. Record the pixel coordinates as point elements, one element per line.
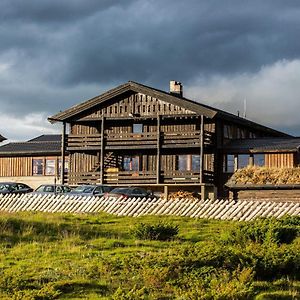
<point>120,190</point>
<point>4,187</point>
<point>40,188</point>
<point>65,189</point>
<point>83,189</point>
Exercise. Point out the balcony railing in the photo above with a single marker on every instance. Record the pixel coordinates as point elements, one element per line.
<point>130,140</point>
<point>82,141</point>
<point>130,177</point>
<point>140,177</point>
<point>145,140</point>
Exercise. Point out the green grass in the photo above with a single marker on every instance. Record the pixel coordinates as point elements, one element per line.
<point>64,256</point>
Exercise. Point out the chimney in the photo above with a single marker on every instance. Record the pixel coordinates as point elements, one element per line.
<point>175,88</point>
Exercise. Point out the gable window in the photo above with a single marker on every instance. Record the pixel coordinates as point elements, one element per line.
<point>137,128</point>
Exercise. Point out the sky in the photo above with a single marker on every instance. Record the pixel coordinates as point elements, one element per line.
<point>56,53</point>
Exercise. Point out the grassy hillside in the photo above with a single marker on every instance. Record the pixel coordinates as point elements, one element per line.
<point>59,256</point>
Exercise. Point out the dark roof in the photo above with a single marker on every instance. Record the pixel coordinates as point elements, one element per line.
<point>263,145</point>
<point>43,145</point>
<point>46,138</point>
<point>135,87</point>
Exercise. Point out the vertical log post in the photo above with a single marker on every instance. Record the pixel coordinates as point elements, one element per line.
<point>201,148</point>
<point>236,162</point>
<point>63,148</point>
<point>102,152</point>
<point>158,151</point>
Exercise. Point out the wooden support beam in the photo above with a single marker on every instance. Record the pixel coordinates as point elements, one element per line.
<point>236,162</point>
<point>158,151</point>
<point>102,151</point>
<point>63,147</point>
<point>201,148</point>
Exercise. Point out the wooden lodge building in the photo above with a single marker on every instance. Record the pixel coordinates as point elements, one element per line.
<point>137,135</point>
<point>34,162</point>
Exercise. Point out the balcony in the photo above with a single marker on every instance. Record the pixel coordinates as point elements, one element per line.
<point>146,140</point>
<point>83,142</point>
<point>140,177</point>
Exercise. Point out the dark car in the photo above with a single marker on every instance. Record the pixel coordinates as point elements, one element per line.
<point>91,190</point>
<point>14,188</point>
<point>52,189</point>
<point>130,192</point>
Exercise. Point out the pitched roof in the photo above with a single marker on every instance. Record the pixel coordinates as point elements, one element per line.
<point>46,138</point>
<point>42,145</point>
<point>131,86</point>
<point>2,138</point>
<point>263,145</point>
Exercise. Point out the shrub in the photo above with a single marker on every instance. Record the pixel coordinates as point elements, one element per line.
<point>160,231</point>
<point>264,230</point>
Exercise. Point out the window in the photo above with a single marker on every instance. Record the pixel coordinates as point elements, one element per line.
<point>243,160</point>
<point>131,163</point>
<point>195,162</point>
<point>229,163</point>
<point>137,128</point>
<point>189,162</point>
<point>50,167</point>
<point>37,166</point>
<point>259,160</point>
<point>182,162</point>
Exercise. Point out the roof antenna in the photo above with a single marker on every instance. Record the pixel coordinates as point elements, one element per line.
<point>245,108</point>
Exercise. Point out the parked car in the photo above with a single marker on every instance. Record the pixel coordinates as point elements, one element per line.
<point>14,188</point>
<point>130,192</point>
<point>91,190</point>
<point>52,189</point>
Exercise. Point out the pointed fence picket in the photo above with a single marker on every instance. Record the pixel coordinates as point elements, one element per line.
<point>135,207</point>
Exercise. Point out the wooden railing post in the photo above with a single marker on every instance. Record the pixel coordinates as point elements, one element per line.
<point>201,148</point>
<point>63,147</point>
<point>158,151</point>
<point>102,152</point>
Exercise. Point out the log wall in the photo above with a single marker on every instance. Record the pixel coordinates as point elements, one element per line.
<point>280,160</point>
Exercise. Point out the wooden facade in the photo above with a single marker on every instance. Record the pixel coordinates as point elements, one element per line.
<point>137,135</point>
<point>34,162</point>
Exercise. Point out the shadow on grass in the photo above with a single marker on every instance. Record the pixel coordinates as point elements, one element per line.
<point>15,230</point>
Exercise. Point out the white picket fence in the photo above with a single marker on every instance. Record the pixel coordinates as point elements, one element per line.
<point>217,209</point>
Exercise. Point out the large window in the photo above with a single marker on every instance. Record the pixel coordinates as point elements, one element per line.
<point>50,167</point>
<point>37,166</point>
<point>259,160</point>
<point>243,160</point>
<point>229,163</point>
<point>131,163</point>
<point>189,162</point>
<point>137,128</point>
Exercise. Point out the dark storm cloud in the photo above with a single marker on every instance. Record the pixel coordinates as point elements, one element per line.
<point>56,53</point>
<point>54,11</point>
<point>183,40</point>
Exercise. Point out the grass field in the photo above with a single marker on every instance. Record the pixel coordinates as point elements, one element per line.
<point>60,256</point>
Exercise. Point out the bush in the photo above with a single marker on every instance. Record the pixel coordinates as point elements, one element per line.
<point>160,231</point>
<point>265,230</point>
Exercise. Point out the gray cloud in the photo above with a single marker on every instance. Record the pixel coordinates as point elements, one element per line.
<point>54,54</point>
